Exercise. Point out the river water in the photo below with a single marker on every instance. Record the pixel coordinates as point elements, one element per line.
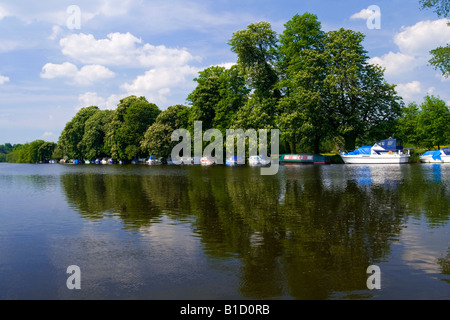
<point>193,232</point>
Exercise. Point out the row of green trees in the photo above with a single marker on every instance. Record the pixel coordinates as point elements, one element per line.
<point>427,125</point>
<point>316,87</point>
<point>33,152</point>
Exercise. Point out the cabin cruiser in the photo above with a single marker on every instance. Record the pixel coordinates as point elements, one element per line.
<point>436,156</point>
<point>388,151</point>
<point>258,160</point>
<point>207,161</point>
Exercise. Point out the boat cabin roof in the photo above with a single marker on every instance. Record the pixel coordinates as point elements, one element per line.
<point>390,144</point>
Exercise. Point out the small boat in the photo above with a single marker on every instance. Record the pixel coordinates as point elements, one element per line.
<point>185,160</point>
<point>304,159</point>
<point>436,156</point>
<point>388,151</point>
<point>104,161</point>
<point>207,161</point>
<point>259,160</point>
<point>153,160</point>
<point>234,161</point>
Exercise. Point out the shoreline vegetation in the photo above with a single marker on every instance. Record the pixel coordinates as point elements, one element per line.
<point>317,88</point>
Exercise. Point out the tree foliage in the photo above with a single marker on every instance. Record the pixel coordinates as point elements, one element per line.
<point>129,122</point>
<point>427,125</point>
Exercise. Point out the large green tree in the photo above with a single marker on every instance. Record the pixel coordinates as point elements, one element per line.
<point>434,122</point>
<point>219,94</point>
<point>95,132</point>
<point>157,138</point>
<point>255,48</point>
<point>302,115</point>
<point>129,123</point>
<point>70,140</point>
<point>407,124</point>
<point>356,91</point>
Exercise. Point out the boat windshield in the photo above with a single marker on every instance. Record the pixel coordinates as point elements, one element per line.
<point>446,151</point>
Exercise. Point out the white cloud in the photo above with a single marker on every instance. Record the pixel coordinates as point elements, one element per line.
<point>86,75</point>
<point>156,83</point>
<point>227,65</point>
<point>92,99</point>
<point>414,44</point>
<point>363,14</point>
<point>422,37</point>
<point>121,49</point>
<point>3,12</point>
<point>3,79</point>
<point>409,91</point>
<point>396,63</point>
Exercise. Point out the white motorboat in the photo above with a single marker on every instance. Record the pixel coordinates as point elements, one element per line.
<point>258,161</point>
<point>207,161</point>
<point>436,156</point>
<point>153,160</point>
<point>388,151</point>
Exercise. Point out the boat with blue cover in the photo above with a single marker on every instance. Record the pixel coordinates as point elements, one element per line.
<point>388,151</point>
<point>436,156</point>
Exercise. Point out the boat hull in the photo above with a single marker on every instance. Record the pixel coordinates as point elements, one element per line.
<point>374,159</point>
<point>429,159</point>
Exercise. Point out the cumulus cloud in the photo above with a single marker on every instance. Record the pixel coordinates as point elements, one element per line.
<point>414,44</point>
<point>93,99</point>
<point>396,63</point>
<point>363,14</point>
<point>88,74</point>
<point>167,68</point>
<point>422,37</point>
<point>3,12</point>
<point>3,79</point>
<point>156,83</point>
<point>121,49</point>
<point>409,90</point>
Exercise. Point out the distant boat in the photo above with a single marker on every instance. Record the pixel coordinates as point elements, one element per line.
<point>436,156</point>
<point>207,161</point>
<point>304,159</point>
<point>153,160</point>
<point>259,160</point>
<point>388,151</point>
<point>185,160</point>
<point>234,161</point>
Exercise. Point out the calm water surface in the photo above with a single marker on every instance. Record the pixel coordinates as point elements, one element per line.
<point>192,232</point>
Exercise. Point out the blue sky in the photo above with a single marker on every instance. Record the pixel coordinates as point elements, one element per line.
<point>51,66</point>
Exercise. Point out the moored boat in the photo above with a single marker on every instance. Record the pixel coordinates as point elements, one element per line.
<point>234,161</point>
<point>207,161</point>
<point>436,156</point>
<point>259,160</point>
<point>153,160</point>
<point>304,159</point>
<point>388,151</point>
